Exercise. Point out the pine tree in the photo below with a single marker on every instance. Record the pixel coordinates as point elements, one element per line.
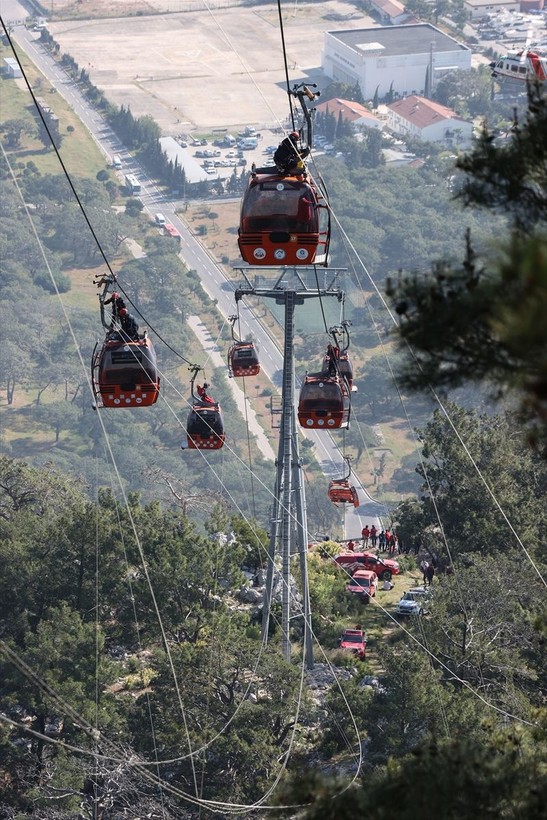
<point>485,320</point>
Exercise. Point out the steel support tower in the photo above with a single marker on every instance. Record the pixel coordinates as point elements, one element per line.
<point>288,526</point>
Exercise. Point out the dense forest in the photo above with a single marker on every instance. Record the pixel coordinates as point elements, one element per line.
<point>125,639</point>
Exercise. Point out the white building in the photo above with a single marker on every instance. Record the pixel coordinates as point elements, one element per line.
<point>192,169</point>
<point>390,11</point>
<point>478,9</point>
<point>429,121</point>
<point>397,59</point>
<point>12,68</point>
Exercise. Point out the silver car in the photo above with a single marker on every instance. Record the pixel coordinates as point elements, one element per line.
<point>413,602</point>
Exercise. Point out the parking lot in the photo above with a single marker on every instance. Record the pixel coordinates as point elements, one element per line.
<point>218,156</point>
<point>196,71</point>
<point>506,30</point>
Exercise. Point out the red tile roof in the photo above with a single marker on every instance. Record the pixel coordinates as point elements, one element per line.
<point>422,112</point>
<point>351,110</point>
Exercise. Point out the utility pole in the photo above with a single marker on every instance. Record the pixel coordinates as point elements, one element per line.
<point>288,524</point>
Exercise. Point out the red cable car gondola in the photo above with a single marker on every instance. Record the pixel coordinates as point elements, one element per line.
<point>124,373</point>
<point>324,402</point>
<point>285,218</point>
<point>341,491</point>
<point>280,220</point>
<point>205,425</point>
<point>242,356</point>
<point>123,369</point>
<point>243,359</point>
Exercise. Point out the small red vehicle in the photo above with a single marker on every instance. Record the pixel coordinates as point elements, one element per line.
<point>385,568</point>
<point>364,583</point>
<point>355,641</point>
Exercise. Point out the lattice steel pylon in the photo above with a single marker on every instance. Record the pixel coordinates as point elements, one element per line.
<point>288,524</point>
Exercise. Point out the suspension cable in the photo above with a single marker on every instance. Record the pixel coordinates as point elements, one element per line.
<point>284,49</point>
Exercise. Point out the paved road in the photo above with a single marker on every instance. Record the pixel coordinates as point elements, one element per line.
<point>198,258</point>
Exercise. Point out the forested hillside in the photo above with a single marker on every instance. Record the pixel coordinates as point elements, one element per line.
<point>123,635</point>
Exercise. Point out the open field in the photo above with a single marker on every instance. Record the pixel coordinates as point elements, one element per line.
<point>79,152</point>
<point>201,69</point>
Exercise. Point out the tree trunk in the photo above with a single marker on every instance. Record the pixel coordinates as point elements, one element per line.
<point>10,389</point>
<point>39,396</point>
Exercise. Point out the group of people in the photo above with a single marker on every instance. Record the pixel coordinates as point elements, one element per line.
<point>289,155</point>
<point>203,395</point>
<point>121,318</point>
<point>384,540</point>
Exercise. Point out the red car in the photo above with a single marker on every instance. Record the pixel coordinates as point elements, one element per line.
<point>355,641</point>
<point>364,583</point>
<point>384,568</point>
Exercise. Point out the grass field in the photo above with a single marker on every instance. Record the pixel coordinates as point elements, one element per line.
<point>79,152</point>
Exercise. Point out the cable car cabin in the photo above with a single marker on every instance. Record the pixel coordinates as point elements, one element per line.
<point>124,374</point>
<point>205,427</point>
<point>280,221</point>
<point>243,359</point>
<point>324,402</point>
<point>340,492</point>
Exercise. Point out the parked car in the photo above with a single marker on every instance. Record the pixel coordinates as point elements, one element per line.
<point>384,568</point>
<point>364,583</point>
<point>355,641</point>
<point>413,602</point>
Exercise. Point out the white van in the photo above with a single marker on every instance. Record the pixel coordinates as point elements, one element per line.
<point>116,162</point>
<point>160,220</point>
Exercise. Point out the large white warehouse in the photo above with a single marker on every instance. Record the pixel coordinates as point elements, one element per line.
<point>403,60</point>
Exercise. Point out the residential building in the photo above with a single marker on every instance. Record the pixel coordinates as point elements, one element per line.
<point>350,111</point>
<point>393,60</point>
<point>478,9</point>
<point>390,12</point>
<point>429,121</point>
